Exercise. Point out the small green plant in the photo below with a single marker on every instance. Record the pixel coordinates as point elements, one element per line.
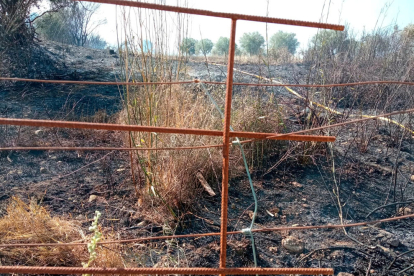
<point>94,241</point>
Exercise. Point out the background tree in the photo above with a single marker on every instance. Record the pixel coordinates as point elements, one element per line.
<point>52,27</point>
<point>15,20</point>
<point>188,46</point>
<point>204,46</point>
<point>284,40</point>
<point>72,25</point>
<point>221,47</point>
<point>329,43</point>
<point>96,42</point>
<point>79,18</point>
<point>252,43</point>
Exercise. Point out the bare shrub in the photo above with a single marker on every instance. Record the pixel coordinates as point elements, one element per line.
<point>281,55</point>
<point>74,25</point>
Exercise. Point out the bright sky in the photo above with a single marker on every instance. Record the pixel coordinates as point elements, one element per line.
<point>360,14</point>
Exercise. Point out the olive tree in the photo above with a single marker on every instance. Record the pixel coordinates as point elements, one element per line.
<point>188,46</point>
<point>328,43</point>
<point>252,43</point>
<point>221,47</point>
<point>282,40</point>
<point>204,46</point>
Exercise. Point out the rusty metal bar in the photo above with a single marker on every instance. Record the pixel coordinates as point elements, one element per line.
<point>164,271</point>
<point>207,82</point>
<point>220,14</point>
<point>107,148</point>
<point>272,229</point>
<point>94,82</point>
<point>318,85</point>
<point>226,146</point>
<point>100,126</point>
<point>348,123</point>
<point>226,140</point>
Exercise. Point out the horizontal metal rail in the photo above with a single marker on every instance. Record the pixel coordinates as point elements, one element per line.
<point>94,82</point>
<point>100,126</point>
<point>271,229</point>
<point>206,82</point>
<point>344,123</point>
<point>379,117</point>
<point>108,148</point>
<point>165,271</point>
<point>316,85</point>
<point>233,16</point>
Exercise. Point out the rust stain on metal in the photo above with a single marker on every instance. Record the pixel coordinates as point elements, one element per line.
<point>164,271</point>
<point>207,82</point>
<point>226,146</point>
<point>232,16</point>
<point>273,229</point>
<point>192,131</point>
<point>94,82</point>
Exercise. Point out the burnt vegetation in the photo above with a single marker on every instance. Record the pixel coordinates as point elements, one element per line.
<point>367,174</point>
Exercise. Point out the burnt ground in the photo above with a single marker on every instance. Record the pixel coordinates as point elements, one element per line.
<point>296,192</point>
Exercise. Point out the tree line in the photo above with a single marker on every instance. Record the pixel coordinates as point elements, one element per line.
<point>250,44</point>
<point>71,23</point>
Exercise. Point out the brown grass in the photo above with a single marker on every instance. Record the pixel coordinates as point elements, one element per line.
<point>172,174</point>
<point>32,223</point>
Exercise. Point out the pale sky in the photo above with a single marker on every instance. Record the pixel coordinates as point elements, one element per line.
<point>360,14</point>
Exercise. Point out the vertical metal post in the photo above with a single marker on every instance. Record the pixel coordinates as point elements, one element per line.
<point>226,146</point>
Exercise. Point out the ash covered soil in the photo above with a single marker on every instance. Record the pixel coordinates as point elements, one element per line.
<point>297,190</point>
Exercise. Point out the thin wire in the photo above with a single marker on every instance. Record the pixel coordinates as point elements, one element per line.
<point>255,202</point>
<point>317,85</point>
<point>94,82</point>
<point>163,270</point>
<point>344,123</point>
<point>107,148</point>
<point>206,82</point>
<point>246,166</point>
<point>333,125</point>
<point>272,229</point>
<point>318,104</point>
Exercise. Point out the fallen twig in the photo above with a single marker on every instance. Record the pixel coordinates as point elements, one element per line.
<point>330,248</point>
<point>369,267</point>
<point>402,254</point>
<point>390,204</point>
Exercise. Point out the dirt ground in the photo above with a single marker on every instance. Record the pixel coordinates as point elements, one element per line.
<point>297,190</point>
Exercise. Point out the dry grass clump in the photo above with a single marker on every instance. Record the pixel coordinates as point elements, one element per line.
<point>171,176</point>
<point>32,223</point>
